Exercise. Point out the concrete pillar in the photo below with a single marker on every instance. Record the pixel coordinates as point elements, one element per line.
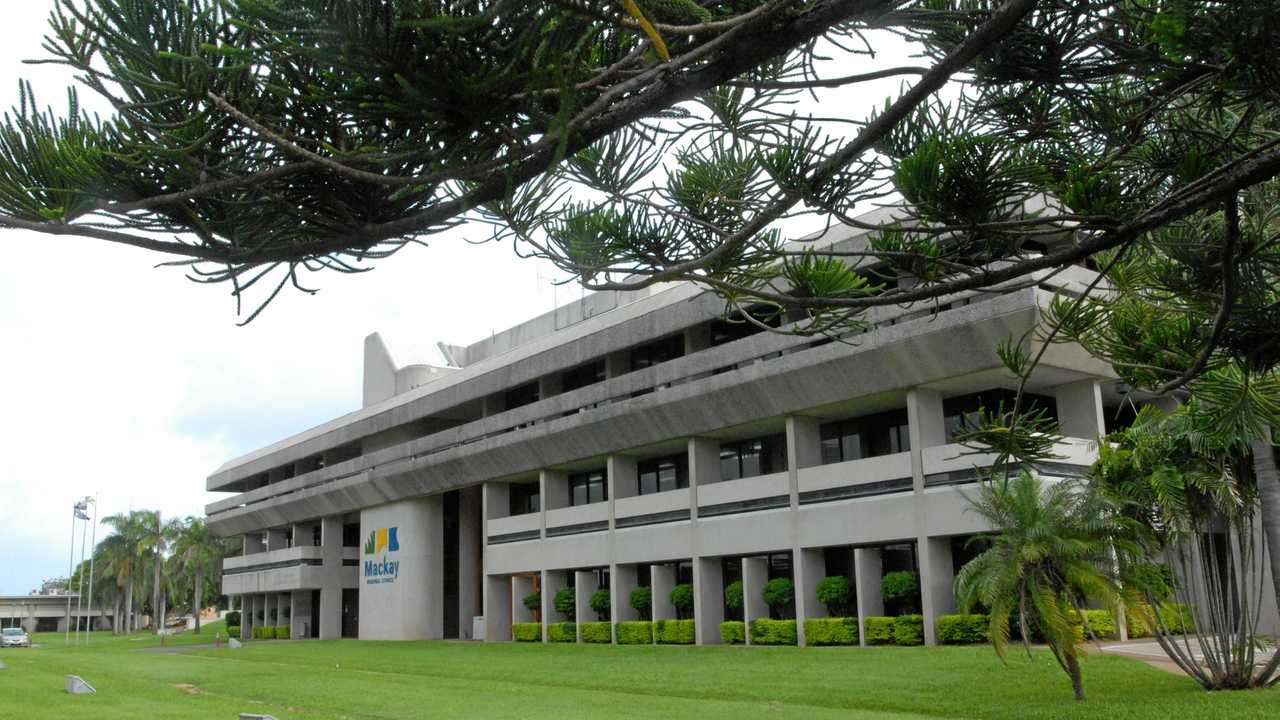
<point>662,578</point>
<point>470,560</point>
<point>552,582</point>
<point>804,443</point>
<point>927,423</point>
<point>521,587</point>
<point>928,429</point>
<point>936,578</point>
<point>622,580</point>
<point>584,584</point>
<point>704,461</point>
<point>554,490</point>
<point>810,568</point>
<point>300,615</point>
<point>1080,413</point>
<point>269,605</point>
<point>867,571</point>
<point>498,608</point>
<point>277,539</point>
<point>622,476</point>
<point>708,600</point>
<point>331,588</point>
<point>755,573</point>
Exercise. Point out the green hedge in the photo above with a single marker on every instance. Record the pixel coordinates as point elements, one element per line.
<point>282,632</point>
<point>963,629</point>
<point>733,632</point>
<point>674,632</point>
<point>1102,622</point>
<point>831,631</point>
<point>526,632</point>
<point>562,632</point>
<point>233,618</point>
<point>635,632</point>
<point>773,632</point>
<point>908,630</point>
<point>233,631</point>
<point>879,630</point>
<point>597,632</point>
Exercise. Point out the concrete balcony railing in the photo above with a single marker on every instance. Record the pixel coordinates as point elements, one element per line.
<point>515,527</point>
<point>856,478</point>
<point>955,464</point>
<point>578,519</point>
<point>652,504</point>
<point>761,492</point>
<point>294,555</point>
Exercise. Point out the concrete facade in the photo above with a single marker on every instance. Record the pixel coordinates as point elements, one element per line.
<point>641,436</point>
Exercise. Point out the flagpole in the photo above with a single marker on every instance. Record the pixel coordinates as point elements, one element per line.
<point>93,545</point>
<point>80,587</point>
<point>70,564</point>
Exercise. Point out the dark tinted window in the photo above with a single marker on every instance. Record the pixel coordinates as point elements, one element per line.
<point>662,474</point>
<point>587,487</point>
<point>520,396</point>
<point>880,434</point>
<point>659,351</point>
<point>757,456</point>
<point>524,498</point>
<point>351,535</point>
<point>736,326</point>
<point>963,411</point>
<point>583,375</point>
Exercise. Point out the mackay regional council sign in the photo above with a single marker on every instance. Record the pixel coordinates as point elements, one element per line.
<point>384,571</point>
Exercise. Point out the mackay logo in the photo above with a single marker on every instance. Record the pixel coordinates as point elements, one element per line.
<point>382,540</point>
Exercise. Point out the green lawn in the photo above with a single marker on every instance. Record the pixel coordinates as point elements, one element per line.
<point>350,679</point>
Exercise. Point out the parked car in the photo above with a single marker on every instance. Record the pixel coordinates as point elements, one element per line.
<point>14,637</point>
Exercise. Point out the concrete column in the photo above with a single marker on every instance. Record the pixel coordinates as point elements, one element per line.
<point>622,580</point>
<point>708,600</point>
<point>300,615</point>
<point>867,571</point>
<point>277,539</point>
<point>331,589</point>
<point>804,442</point>
<point>662,578</point>
<point>936,578</point>
<point>621,477</point>
<point>554,490</point>
<point>470,560</point>
<point>927,423</point>
<point>928,429</point>
<point>1080,413</point>
<point>552,582</point>
<point>755,573</point>
<point>497,500</point>
<point>810,568</point>
<point>521,587</point>
<point>697,338</point>
<point>269,617</point>
<point>498,608</point>
<point>584,584</point>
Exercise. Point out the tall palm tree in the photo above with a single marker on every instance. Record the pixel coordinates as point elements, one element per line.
<point>199,553</point>
<point>125,551</point>
<point>1051,551</point>
<point>115,560</point>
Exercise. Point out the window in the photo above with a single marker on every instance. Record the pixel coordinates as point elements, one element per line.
<point>662,474</point>
<point>659,351</point>
<point>525,498</point>
<point>583,375</point>
<point>520,396</point>
<point>880,434</point>
<point>587,487</point>
<point>351,535</point>
<point>749,458</point>
<point>736,327</point>
<point>315,535</point>
<point>961,412</point>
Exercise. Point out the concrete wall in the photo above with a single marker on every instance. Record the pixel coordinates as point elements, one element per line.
<point>401,590</point>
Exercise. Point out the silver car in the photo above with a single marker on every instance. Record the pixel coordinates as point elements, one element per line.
<point>14,637</point>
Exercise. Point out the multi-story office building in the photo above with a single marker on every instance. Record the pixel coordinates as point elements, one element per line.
<point>643,439</point>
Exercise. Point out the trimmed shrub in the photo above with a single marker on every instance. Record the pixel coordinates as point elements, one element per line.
<point>908,630</point>
<point>233,619</point>
<point>962,629</point>
<point>674,632</point>
<point>526,632</point>
<point>1102,622</point>
<point>597,632</point>
<point>635,632</point>
<point>773,632</point>
<point>601,604</point>
<point>682,598</point>
<point>831,631</point>
<point>642,601</point>
<point>1177,617</point>
<point>900,590</point>
<point>733,594</point>
<point>562,632</point>
<point>834,593</point>
<point>282,632</point>
<point>778,594</point>
<point>264,633</point>
<point>533,601</point>
<point>733,632</point>
<point>566,602</point>
<point>879,629</point>
<point>233,631</point>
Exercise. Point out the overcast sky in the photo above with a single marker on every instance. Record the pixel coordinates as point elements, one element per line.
<point>131,382</point>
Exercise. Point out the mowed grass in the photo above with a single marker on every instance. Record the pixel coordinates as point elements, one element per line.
<point>352,679</point>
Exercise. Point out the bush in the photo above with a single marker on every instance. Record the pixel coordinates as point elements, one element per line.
<point>601,604</point>
<point>733,632</point>
<point>674,632</point>
<point>908,630</point>
<point>900,590</point>
<point>533,601</point>
<point>1102,622</point>
<point>962,629</point>
<point>773,632</point>
<point>642,601</point>
<point>282,632</point>
<point>831,631</point>
<point>233,619</point>
<point>233,631</point>
<point>1177,618</point>
<point>263,632</point>
<point>778,594</point>
<point>682,598</point>
<point>566,602</point>
<point>526,632</point>
<point>879,630</point>
<point>834,593</point>
<point>597,632</point>
<point>635,632</point>
<point>733,594</point>
<point>562,632</point>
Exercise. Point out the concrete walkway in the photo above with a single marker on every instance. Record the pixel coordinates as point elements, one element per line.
<point>1151,653</point>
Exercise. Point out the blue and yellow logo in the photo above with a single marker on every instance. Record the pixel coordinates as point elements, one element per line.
<point>381,539</point>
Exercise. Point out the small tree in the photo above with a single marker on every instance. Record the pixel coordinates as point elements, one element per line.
<point>682,599</point>
<point>834,593</point>
<point>601,604</point>
<point>733,595</point>
<point>778,594</point>
<point>900,591</point>
<point>533,601</point>
<point>566,602</point>
<point>642,601</point>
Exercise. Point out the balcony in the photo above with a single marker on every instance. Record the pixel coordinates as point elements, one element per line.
<point>762,492</point>
<point>865,477</point>
<point>955,464</point>
<point>578,519</point>
<point>669,506</point>
<point>297,555</point>
<point>515,528</point>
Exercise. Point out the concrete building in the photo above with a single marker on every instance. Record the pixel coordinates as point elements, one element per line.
<point>642,439</point>
<point>48,613</point>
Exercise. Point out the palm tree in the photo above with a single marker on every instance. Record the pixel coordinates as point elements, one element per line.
<point>115,560</point>
<point>199,554</point>
<point>1051,551</point>
<point>124,550</point>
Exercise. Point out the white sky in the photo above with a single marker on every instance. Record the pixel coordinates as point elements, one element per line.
<point>134,383</point>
